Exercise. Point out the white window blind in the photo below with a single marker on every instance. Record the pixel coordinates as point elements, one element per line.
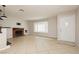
<point>41,27</point>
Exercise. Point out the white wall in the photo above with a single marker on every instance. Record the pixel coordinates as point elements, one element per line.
<point>30,27</point>
<point>52,27</point>
<point>66,26</point>
<point>11,22</point>
<point>77,27</point>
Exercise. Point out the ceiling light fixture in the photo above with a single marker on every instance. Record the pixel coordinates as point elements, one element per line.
<point>21,10</point>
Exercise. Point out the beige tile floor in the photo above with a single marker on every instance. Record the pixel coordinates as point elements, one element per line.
<point>38,45</point>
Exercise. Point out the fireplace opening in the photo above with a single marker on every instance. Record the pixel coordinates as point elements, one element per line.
<point>18,32</point>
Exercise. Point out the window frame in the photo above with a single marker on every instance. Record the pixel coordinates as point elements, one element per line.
<point>37,31</point>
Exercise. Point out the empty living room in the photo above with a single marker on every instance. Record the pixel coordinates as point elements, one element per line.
<point>39,29</point>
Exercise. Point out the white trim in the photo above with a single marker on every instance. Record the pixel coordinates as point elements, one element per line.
<point>5,48</point>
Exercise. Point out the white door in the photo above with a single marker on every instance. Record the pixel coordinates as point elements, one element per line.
<point>66,27</point>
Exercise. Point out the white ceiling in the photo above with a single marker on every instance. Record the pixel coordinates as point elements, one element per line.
<point>35,12</point>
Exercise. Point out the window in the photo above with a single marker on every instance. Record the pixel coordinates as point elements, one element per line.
<point>41,27</point>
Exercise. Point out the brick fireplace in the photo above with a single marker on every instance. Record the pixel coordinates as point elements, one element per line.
<point>18,32</point>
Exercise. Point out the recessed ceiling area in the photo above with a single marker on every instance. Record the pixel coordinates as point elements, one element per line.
<point>35,12</point>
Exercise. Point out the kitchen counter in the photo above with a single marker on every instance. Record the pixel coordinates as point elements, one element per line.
<point>3,27</point>
<point>3,38</point>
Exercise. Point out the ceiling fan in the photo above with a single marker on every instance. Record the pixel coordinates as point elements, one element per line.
<point>1,18</point>
<point>4,11</point>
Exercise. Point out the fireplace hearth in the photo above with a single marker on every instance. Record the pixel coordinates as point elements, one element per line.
<point>18,32</point>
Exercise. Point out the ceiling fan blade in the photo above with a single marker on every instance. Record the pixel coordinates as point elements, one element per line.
<point>4,5</point>
<point>4,16</point>
<point>1,18</point>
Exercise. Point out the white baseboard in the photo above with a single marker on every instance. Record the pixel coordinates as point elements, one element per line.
<point>67,42</point>
<point>5,48</point>
<point>77,45</point>
<point>47,36</point>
